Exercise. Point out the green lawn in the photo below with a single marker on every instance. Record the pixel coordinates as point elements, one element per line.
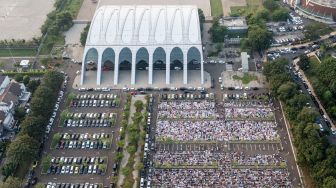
<point>17,52</point>
<point>251,7</point>
<point>216,8</point>
<point>247,78</point>
<point>73,6</point>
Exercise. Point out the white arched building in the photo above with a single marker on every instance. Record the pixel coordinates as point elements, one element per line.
<point>132,35</point>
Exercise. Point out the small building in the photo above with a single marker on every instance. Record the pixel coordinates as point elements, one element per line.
<point>24,63</point>
<point>6,121</point>
<point>235,24</point>
<point>245,63</point>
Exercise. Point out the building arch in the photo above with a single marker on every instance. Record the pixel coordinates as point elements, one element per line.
<point>159,59</point>
<point>193,59</point>
<point>142,59</point>
<point>176,59</point>
<point>125,59</point>
<point>108,59</point>
<point>91,59</point>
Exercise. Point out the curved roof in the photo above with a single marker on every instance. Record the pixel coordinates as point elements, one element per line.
<point>144,25</point>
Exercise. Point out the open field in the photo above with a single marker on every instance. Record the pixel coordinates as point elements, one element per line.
<point>23,19</point>
<point>216,8</point>
<point>17,52</point>
<point>227,4</point>
<point>250,6</point>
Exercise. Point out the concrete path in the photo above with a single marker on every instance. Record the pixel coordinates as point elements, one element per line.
<point>126,155</point>
<point>137,158</point>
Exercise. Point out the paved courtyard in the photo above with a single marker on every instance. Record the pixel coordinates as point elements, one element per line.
<point>17,16</point>
<point>142,79</point>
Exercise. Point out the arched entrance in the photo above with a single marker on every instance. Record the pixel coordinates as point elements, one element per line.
<point>194,63</point>
<point>108,59</point>
<point>142,64</point>
<point>90,66</point>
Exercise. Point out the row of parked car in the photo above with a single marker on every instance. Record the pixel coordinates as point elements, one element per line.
<point>183,96</point>
<point>97,96</point>
<point>73,185</point>
<point>77,160</point>
<point>148,147</point>
<point>87,144</point>
<point>84,136</point>
<point>53,116</point>
<point>89,123</point>
<point>90,115</point>
<point>95,103</point>
<point>76,169</point>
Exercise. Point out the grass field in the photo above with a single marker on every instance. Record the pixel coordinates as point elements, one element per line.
<point>216,8</point>
<point>252,6</point>
<point>17,52</point>
<point>73,6</point>
<point>247,78</point>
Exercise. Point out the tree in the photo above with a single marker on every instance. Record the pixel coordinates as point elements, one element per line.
<point>259,38</point>
<point>11,182</point>
<point>329,182</point>
<point>218,32</point>
<point>307,115</point>
<point>26,79</point>
<point>287,91</point>
<point>201,18</point>
<point>138,105</point>
<point>23,149</point>
<point>32,85</point>
<point>84,34</point>
<point>33,126</point>
<point>131,149</point>
<point>8,168</point>
<point>271,5</point>
<point>18,77</point>
<point>312,31</point>
<point>304,62</point>
<point>280,14</point>
<point>20,113</point>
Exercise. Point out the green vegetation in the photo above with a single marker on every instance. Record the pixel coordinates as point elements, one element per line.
<point>314,30</point>
<point>321,76</point>
<point>314,153</point>
<point>251,7</point>
<point>216,8</point>
<point>17,52</point>
<point>201,18</point>
<point>46,162</point>
<point>11,182</point>
<point>218,32</point>
<point>56,138</point>
<point>30,72</point>
<point>24,148</point>
<point>247,78</point>
<point>84,34</point>
<point>58,21</point>
<point>258,39</point>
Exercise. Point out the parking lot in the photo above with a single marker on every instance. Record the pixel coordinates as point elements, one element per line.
<point>198,142</point>
<point>81,148</point>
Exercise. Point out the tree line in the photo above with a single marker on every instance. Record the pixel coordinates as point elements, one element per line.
<point>314,152</point>
<point>25,147</point>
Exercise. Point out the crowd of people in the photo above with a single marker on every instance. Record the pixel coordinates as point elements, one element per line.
<point>218,130</point>
<point>221,177</point>
<point>249,113</point>
<point>186,105</point>
<point>211,158</point>
<point>201,121</point>
<point>247,104</point>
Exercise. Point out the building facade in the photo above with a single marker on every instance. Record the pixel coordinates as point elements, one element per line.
<point>141,37</point>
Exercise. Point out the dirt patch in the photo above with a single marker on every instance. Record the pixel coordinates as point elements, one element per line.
<point>23,19</point>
